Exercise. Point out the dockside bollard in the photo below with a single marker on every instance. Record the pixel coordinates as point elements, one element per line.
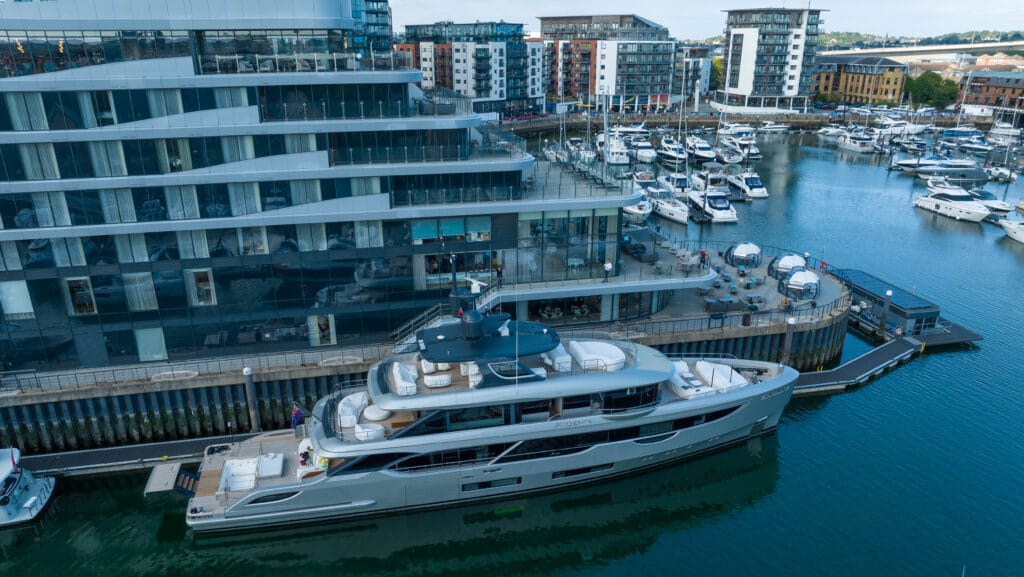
<point>787,341</point>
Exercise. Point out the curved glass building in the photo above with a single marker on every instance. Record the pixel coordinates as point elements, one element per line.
<point>238,177</point>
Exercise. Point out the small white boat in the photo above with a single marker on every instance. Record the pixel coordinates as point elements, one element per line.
<point>857,142</point>
<point>749,183</point>
<point>666,205</point>
<point>1000,174</point>
<point>676,182</point>
<point>638,213</point>
<point>642,179</point>
<point>714,204</point>
<point>728,155</point>
<point>735,129</point>
<point>952,201</point>
<point>22,495</point>
<point>831,131</point>
<point>699,149</point>
<point>616,152</point>
<point>671,152</point>
<point>772,126</point>
<point>642,150</point>
<point>1014,228</point>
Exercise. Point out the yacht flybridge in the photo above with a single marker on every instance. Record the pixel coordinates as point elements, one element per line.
<point>485,407</point>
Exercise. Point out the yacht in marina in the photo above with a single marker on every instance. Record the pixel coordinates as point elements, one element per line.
<point>949,200</point>
<point>23,496</point>
<point>699,149</point>
<point>671,152</point>
<point>676,182</point>
<point>748,183</point>
<point>735,129</point>
<point>991,201</point>
<point>638,213</point>
<point>641,150</point>
<point>745,145</point>
<point>667,205</point>
<point>484,408</point>
<point>615,152</point>
<point>713,204</point>
<point>1013,228</point>
<point>857,141</point>
<point>770,126</point>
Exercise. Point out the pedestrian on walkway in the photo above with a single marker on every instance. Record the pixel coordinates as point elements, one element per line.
<point>498,273</point>
<point>607,269</point>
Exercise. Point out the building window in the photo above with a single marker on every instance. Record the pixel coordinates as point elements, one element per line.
<point>200,288</point>
<point>321,330</point>
<point>78,296</point>
<point>150,344</point>
<point>15,302</point>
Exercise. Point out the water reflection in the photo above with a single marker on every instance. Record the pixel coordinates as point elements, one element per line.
<point>947,225</point>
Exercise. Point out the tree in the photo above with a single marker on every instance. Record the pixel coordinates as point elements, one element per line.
<point>717,72</point>
<point>930,88</point>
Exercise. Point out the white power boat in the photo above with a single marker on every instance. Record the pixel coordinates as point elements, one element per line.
<point>638,213</point>
<point>728,155</point>
<point>991,201</point>
<point>771,126</point>
<point>699,149</point>
<point>857,142</point>
<point>714,204</point>
<point>642,179</point>
<point>1000,173</point>
<point>642,150</point>
<point>745,145</point>
<point>1014,228</point>
<point>890,127</point>
<point>615,152</point>
<point>671,152</point>
<point>483,408</point>
<point>735,129</point>
<point>23,496</point>
<point>676,182</point>
<point>831,131</point>
<point>952,201</point>
<point>748,183</point>
<point>666,205</point>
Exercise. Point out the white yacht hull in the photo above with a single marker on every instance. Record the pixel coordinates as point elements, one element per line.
<point>952,210</point>
<point>748,413</point>
<point>1013,228</point>
<point>674,211</point>
<point>22,501</point>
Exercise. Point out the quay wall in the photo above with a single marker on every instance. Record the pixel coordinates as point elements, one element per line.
<point>47,419</point>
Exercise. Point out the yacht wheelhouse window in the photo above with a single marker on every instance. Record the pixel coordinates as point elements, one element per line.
<point>476,418</point>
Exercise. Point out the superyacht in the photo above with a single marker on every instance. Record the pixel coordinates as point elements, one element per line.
<point>481,408</point>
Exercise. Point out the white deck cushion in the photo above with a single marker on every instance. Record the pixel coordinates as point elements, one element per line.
<point>403,379</point>
<point>558,359</point>
<point>434,381</point>
<point>375,413</point>
<point>369,431</point>
<point>593,355</point>
<point>428,367</point>
<point>350,408</point>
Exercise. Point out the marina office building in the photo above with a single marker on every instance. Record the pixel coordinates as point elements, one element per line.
<point>247,177</point>
<point>770,55</point>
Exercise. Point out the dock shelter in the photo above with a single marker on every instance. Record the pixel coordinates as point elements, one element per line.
<point>908,312</point>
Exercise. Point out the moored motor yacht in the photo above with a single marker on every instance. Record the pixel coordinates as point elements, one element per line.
<point>1013,228</point>
<point>23,496</point>
<point>748,183</point>
<point>482,408</point>
<point>952,201</point>
<point>699,149</point>
<point>713,204</point>
<point>671,152</point>
<point>735,129</point>
<point>666,205</point>
<point>857,142</point>
<point>638,213</point>
<point>772,127</point>
<point>676,182</point>
<point>615,152</point>
<point>991,201</point>
<point>641,150</point>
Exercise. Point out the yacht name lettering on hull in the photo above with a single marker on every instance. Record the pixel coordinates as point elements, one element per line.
<point>574,423</point>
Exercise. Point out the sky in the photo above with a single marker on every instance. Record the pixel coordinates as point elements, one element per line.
<point>699,19</point>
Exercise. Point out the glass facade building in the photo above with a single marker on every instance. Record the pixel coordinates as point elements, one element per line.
<point>244,177</point>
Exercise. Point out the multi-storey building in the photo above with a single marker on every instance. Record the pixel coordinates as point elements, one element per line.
<point>626,61</point>
<point>372,25</point>
<point>860,79</point>
<point>693,65</point>
<point>769,58</point>
<point>241,177</point>
<point>490,62</point>
<point>1001,91</point>
<point>606,27</point>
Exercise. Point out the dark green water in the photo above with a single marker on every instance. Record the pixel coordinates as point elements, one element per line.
<point>917,473</point>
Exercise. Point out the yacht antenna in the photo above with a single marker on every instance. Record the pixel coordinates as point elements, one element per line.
<point>728,79</point>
